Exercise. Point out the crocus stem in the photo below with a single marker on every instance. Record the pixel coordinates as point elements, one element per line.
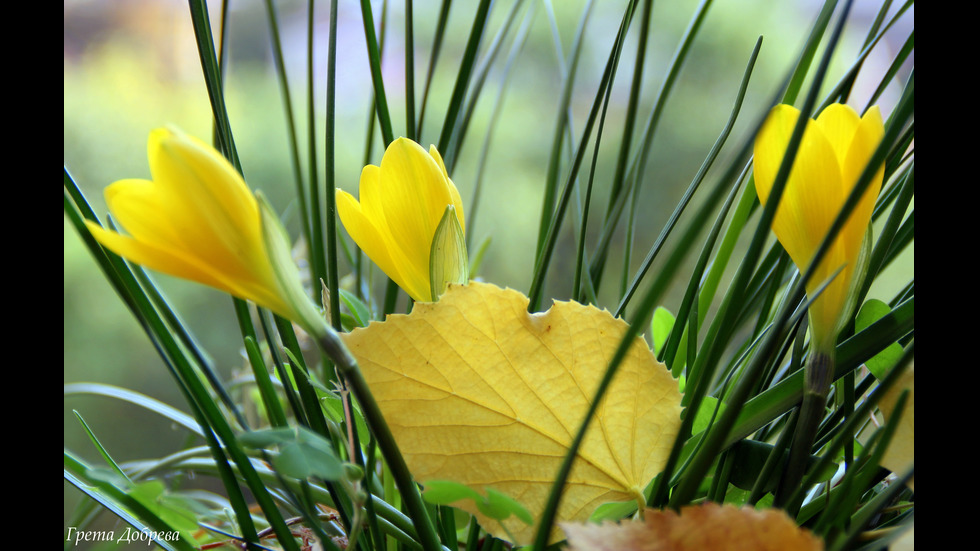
<point>817,378</point>
<point>330,343</point>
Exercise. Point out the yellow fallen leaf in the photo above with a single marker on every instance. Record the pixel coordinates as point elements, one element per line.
<point>480,392</point>
<point>900,454</point>
<point>706,527</point>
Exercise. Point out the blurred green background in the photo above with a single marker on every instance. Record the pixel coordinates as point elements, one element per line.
<point>132,66</point>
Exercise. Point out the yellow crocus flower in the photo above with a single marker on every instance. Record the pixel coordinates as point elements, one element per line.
<point>198,220</point>
<point>836,147</point>
<point>402,203</point>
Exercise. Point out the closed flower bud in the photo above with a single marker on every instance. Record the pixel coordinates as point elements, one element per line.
<point>836,148</point>
<point>403,202</point>
<point>198,220</point>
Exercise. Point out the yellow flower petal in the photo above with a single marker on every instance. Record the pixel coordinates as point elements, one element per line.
<point>770,145</point>
<point>838,123</point>
<point>806,211</point>
<point>453,192</point>
<point>136,205</point>
<point>833,152</point>
<point>867,135</point>
<point>191,176</point>
<point>371,197</point>
<point>401,204</point>
<point>161,259</point>
<point>197,219</point>
<point>365,233</point>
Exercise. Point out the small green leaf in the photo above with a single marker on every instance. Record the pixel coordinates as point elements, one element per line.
<point>302,460</point>
<point>500,506</point>
<point>737,496</point>
<point>705,413</point>
<point>302,452</point>
<point>858,446</point>
<point>495,505</point>
<point>359,312</point>
<point>333,407</point>
<point>109,476</point>
<point>660,326</point>
<point>265,438</point>
<point>766,502</point>
<point>613,511</point>
<point>872,311</point>
<point>348,322</point>
<point>172,509</point>
<point>751,457</point>
<point>445,492</point>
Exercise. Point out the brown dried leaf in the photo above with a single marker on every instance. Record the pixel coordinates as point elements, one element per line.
<point>706,527</point>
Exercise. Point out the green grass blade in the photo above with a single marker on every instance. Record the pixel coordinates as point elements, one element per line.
<point>809,52</point>
<point>693,304</point>
<point>374,56</point>
<point>695,183</point>
<point>543,259</point>
<point>851,353</point>
<point>170,413</point>
<point>187,340</point>
<point>471,212</point>
<point>842,89</point>
<point>907,48</point>
<point>410,130</point>
<point>481,72</point>
<point>311,403</point>
<point>838,511</point>
<point>632,104</point>
<point>781,398</point>
<point>577,290</point>
<point>277,418</point>
<point>213,81</point>
<point>629,125</point>
<point>767,478</point>
<point>332,273</point>
<point>872,508</point>
<point>440,33</point>
<point>448,138</point>
<point>640,157</point>
<point>101,449</point>
<point>322,248</point>
<point>677,340</point>
<point>563,124</point>
<point>307,222</point>
<point>296,372</point>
